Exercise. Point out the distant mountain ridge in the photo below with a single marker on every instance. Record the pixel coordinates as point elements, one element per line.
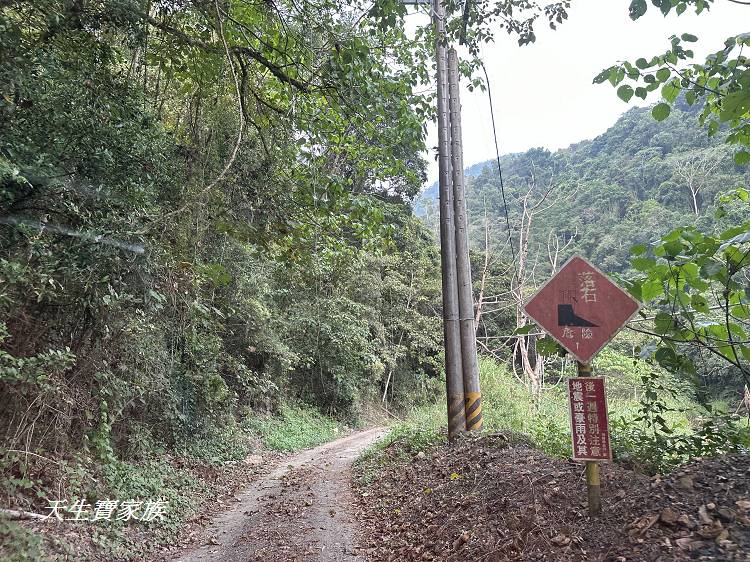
<point>431,193</point>
<point>626,186</point>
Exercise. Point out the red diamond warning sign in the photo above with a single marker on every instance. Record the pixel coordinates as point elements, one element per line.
<point>581,308</point>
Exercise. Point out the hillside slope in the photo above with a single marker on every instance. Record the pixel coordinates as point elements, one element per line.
<point>627,186</point>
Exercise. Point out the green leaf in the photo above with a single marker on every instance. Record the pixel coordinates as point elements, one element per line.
<point>637,9</point>
<point>661,111</point>
<point>742,157</point>
<point>616,76</point>
<point>699,303</point>
<point>735,105</point>
<point>671,90</point>
<point>663,74</point>
<point>673,248</point>
<point>635,289</point>
<point>638,249</point>
<point>651,289</point>
<point>728,352</point>
<point>643,264</point>
<point>667,358</point>
<point>736,256</point>
<point>625,92</point>
<point>663,323</point>
<point>688,37</point>
<point>603,76</point>
<point>641,63</point>
<point>713,269</point>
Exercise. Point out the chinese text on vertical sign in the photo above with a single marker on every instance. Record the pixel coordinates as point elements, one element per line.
<point>588,419</point>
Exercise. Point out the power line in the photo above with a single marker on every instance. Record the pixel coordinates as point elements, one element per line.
<point>499,166</point>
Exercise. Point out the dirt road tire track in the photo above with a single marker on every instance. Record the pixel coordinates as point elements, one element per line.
<point>300,511</point>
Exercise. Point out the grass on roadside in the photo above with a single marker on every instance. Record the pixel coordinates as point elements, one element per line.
<point>297,427</point>
<point>507,407</point>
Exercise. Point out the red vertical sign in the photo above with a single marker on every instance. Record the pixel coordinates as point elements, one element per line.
<point>588,419</point>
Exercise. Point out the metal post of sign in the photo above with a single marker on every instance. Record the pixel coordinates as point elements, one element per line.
<point>593,485</point>
<point>472,392</point>
<point>451,327</point>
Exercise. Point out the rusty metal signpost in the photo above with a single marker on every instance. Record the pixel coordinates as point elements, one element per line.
<point>582,310</point>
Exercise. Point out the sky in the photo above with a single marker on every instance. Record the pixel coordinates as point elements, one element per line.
<point>543,93</point>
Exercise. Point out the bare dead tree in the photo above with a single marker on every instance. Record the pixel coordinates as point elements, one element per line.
<point>556,245</point>
<point>533,202</point>
<point>694,169</point>
<point>489,262</point>
<point>527,366</point>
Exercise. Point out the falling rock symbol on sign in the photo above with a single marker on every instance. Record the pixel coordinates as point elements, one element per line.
<point>567,317</point>
<point>581,308</point>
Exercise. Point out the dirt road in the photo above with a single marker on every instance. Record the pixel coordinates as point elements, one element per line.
<point>299,511</point>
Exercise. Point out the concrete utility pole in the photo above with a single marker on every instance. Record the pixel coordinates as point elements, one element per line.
<point>461,371</point>
<point>451,326</point>
<point>470,368</point>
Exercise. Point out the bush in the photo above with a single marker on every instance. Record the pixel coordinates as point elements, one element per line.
<point>405,440</point>
<point>216,446</point>
<point>18,544</point>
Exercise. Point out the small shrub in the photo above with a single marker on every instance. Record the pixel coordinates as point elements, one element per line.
<point>405,440</point>
<point>216,446</point>
<point>550,435</point>
<point>18,544</point>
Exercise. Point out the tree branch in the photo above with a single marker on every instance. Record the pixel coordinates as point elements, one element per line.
<point>275,69</point>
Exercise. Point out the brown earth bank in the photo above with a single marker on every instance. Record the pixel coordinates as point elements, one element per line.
<point>490,499</point>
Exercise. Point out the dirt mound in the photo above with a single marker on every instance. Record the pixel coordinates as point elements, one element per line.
<point>488,499</point>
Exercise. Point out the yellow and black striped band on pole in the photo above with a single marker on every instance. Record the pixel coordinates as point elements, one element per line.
<point>456,419</point>
<point>473,411</point>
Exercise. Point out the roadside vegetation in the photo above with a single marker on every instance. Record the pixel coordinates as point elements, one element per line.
<point>191,480</point>
<point>206,247</point>
<point>656,421</point>
<point>664,207</point>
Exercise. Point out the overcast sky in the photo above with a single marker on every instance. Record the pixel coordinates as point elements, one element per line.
<point>543,93</point>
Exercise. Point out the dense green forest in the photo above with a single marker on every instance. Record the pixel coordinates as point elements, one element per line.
<point>149,286</point>
<point>199,226</point>
<point>629,186</point>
